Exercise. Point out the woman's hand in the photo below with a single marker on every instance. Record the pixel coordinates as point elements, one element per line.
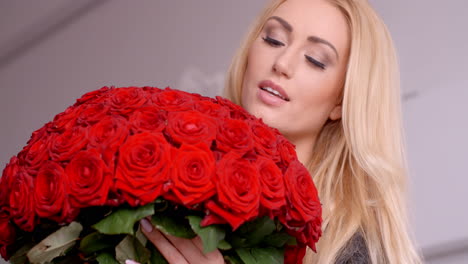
<point>178,250</point>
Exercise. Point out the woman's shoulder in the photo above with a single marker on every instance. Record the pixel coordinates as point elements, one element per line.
<point>355,251</point>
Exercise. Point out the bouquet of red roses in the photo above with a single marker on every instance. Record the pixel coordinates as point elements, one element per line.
<point>196,165</point>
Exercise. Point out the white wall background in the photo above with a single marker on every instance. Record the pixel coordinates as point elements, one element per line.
<point>53,51</point>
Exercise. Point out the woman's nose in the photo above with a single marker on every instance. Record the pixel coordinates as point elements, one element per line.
<point>284,64</point>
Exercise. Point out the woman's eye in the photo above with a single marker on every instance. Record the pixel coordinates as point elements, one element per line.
<point>273,42</point>
<point>315,62</point>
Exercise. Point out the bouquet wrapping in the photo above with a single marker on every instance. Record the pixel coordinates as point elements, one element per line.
<point>195,165</point>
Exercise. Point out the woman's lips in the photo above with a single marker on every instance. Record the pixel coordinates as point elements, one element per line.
<point>271,93</point>
<point>274,89</point>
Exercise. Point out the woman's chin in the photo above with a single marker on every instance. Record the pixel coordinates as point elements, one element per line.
<point>269,116</point>
<point>271,120</point>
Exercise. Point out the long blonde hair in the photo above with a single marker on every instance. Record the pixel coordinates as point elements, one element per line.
<point>359,163</point>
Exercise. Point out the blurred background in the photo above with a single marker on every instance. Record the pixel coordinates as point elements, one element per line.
<point>53,51</point>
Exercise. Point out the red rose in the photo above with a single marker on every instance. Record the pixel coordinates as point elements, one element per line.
<point>265,140</point>
<point>152,90</point>
<point>193,170</point>
<point>63,146</point>
<point>235,111</point>
<point>4,252</point>
<point>313,232</point>
<point>303,205</point>
<point>93,95</point>
<point>286,151</point>
<point>142,169</point>
<point>234,135</point>
<point>89,114</point>
<point>39,134</point>
<point>109,133</point>
<point>294,254</point>
<point>211,108</point>
<point>8,234</point>
<point>271,180</point>
<point>306,233</point>
<point>66,119</point>
<point>107,136</point>
<point>193,96</point>
<point>33,156</point>
<point>149,119</point>
<point>229,104</point>
<point>22,201</point>
<point>126,100</point>
<point>302,194</point>
<point>8,175</point>
<point>88,179</point>
<point>191,127</point>
<point>50,193</point>
<point>171,100</point>
<point>238,188</point>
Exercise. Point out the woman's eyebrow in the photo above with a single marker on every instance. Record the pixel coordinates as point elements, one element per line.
<point>283,22</point>
<point>322,41</point>
<point>314,39</point>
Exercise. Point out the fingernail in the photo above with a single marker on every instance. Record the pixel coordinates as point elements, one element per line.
<point>147,226</point>
<point>128,261</point>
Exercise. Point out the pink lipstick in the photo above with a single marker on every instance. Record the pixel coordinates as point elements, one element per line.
<point>271,93</point>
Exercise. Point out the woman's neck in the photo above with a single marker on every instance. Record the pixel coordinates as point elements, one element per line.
<point>304,148</point>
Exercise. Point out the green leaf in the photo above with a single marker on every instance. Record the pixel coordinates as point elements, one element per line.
<point>140,236</point>
<point>123,220</point>
<point>95,242</point>
<point>131,248</point>
<point>224,245</point>
<point>277,239</point>
<point>246,256</point>
<point>106,258</point>
<point>20,255</point>
<point>172,224</point>
<point>210,235</point>
<point>238,242</point>
<point>156,256</point>
<point>261,255</point>
<point>55,244</point>
<point>268,255</point>
<point>233,259</point>
<point>256,230</point>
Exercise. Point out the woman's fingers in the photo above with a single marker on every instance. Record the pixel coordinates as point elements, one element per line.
<point>189,250</point>
<point>212,257</point>
<point>179,250</point>
<point>169,252</point>
<point>198,243</point>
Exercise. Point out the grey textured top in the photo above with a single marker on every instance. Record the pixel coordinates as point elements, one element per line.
<point>355,251</point>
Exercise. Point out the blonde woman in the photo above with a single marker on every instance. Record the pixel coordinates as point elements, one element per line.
<point>324,73</point>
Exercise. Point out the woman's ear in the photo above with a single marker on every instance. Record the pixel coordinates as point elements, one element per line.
<point>335,113</point>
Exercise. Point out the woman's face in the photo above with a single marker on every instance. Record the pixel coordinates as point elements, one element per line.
<point>296,69</point>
